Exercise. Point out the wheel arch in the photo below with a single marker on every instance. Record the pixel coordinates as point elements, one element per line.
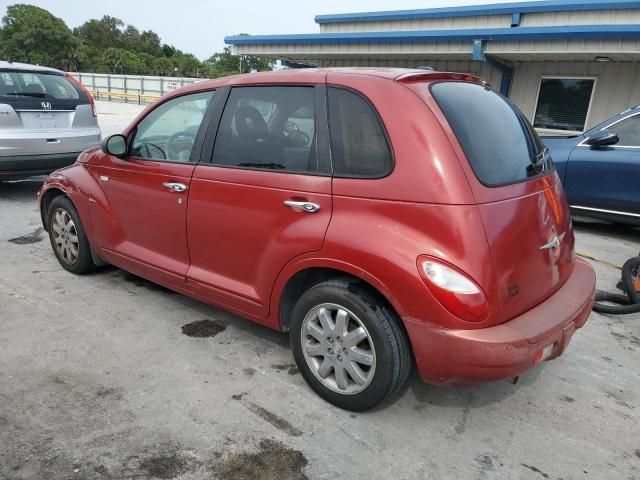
<point>46,199</point>
<point>295,280</point>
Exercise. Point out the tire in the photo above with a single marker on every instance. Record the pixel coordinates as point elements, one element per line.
<point>380,360</point>
<point>68,240</point>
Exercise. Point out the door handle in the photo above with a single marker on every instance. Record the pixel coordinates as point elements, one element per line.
<point>175,187</point>
<point>308,207</point>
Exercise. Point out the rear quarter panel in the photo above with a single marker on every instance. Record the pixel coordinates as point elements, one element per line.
<point>424,207</point>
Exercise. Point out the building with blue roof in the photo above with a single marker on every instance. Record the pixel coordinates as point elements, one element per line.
<point>567,64</point>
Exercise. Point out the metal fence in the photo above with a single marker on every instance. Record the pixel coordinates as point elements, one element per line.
<point>130,88</point>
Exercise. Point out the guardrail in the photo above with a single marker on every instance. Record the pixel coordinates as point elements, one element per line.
<point>125,97</point>
<point>130,88</point>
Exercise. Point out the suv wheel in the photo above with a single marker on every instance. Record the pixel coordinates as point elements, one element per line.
<point>349,345</point>
<point>67,236</point>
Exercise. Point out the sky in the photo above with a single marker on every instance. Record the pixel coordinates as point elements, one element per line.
<point>199,26</point>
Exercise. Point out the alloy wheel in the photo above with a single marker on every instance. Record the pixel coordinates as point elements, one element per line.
<point>338,348</point>
<point>65,236</point>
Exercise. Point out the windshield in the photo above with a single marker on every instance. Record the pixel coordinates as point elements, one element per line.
<point>16,85</point>
<point>499,142</point>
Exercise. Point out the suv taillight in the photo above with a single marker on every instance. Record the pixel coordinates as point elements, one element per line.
<point>92,102</point>
<point>453,289</point>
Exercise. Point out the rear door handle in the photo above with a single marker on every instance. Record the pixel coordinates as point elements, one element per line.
<point>175,187</point>
<point>308,207</point>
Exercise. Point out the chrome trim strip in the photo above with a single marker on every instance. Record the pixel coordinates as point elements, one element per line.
<point>40,110</point>
<point>615,212</point>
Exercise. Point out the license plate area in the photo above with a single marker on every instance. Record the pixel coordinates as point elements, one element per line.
<point>47,120</point>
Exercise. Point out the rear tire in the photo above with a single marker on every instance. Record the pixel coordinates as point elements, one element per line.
<point>67,236</point>
<point>349,345</point>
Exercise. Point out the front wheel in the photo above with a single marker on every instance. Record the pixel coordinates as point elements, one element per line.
<point>349,345</point>
<point>67,236</point>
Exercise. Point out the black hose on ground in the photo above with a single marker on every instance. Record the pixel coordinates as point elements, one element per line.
<point>628,303</point>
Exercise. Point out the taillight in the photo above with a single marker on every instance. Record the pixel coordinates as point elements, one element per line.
<point>453,289</point>
<point>92,102</point>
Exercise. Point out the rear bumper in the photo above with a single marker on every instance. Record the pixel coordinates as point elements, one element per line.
<point>463,357</point>
<point>23,166</point>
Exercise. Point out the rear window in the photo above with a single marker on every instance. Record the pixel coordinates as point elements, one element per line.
<point>16,85</point>
<point>501,145</point>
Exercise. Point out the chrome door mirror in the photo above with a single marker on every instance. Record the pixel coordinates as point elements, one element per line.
<point>602,138</point>
<point>115,145</point>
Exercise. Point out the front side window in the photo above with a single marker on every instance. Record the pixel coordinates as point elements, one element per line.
<point>358,142</point>
<point>498,141</point>
<point>269,128</point>
<point>628,131</point>
<point>169,131</point>
<point>563,103</point>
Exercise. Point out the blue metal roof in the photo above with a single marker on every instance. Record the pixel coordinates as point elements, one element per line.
<point>520,33</point>
<point>474,10</point>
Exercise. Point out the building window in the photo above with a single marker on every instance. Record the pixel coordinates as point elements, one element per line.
<point>563,103</point>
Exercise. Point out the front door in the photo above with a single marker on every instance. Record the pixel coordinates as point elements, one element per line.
<point>606,178</point>
<point>140,223</point>
<point>266,197</point>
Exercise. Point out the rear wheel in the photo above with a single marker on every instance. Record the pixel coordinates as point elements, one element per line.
<point>68,238</point>
<point>349,345</point>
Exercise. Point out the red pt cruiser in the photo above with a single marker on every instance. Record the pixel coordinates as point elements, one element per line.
<point>380,216</point>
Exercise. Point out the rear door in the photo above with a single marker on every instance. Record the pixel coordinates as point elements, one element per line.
<point>519,194</point>
<point>265,198</point>
<point>36,107</point>
<point>606,178</point>
<point>141,224</point>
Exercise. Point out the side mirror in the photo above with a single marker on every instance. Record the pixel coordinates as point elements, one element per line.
<point>602,138</point>
<point>115,145</point>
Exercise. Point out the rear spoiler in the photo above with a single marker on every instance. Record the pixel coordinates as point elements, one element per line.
<point>428,76</point>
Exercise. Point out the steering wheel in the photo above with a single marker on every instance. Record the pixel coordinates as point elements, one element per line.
<point>298,139</point>
<point>176,144</point>
<point>149,147</point>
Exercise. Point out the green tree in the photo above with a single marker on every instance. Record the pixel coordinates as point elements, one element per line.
<point>102,34</point>
<point>149,42</point>
<point>188,65</point>
<point>115,59</point>
<point>163,66</point>
<point>33,35</point>
<point>226,63</point>
<point>168,50</point>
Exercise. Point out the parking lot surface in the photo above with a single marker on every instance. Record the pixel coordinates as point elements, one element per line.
<point>109,376</point>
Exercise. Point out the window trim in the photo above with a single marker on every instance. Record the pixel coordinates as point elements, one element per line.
<point>320,117</point>
<point>196,152</point>
<point>583,143</point>
<point>387,138</point>
<point>566,77</point>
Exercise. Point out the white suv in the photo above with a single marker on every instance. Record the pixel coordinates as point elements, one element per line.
<point>46,119</point>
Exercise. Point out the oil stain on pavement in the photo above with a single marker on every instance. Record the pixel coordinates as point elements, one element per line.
<point>203,328</point>
<point>273,461</point>
<point>33,237</point>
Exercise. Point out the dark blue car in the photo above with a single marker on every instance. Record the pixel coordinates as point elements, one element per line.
<point>600,169</point>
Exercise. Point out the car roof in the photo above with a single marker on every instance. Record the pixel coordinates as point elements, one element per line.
<point>318,75</point>
<point>5,65</point>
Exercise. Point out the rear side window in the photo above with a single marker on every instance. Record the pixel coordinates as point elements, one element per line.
<point>358,140</point>
<point>499,142</point>
<point>268,128</point>
<point>21,85</point>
